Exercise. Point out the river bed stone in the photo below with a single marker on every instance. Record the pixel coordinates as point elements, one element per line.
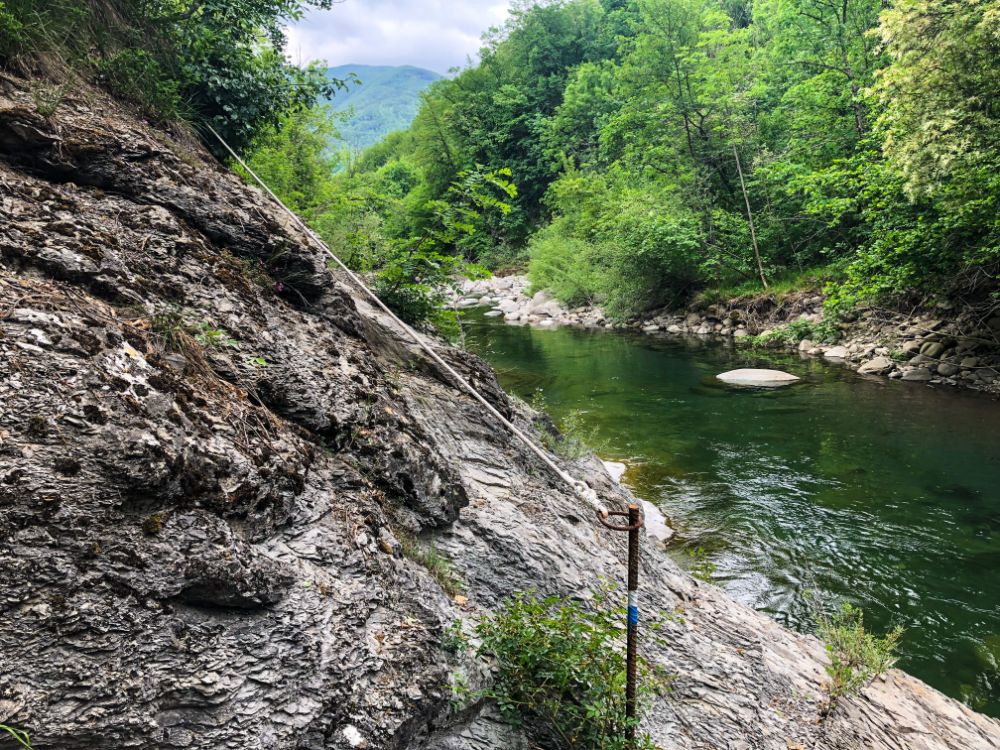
<point>758,377</point>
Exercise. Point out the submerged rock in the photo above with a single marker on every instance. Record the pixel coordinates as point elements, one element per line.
<point>758,377</point>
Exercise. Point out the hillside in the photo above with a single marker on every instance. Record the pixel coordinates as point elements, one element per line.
<point>387,99</point>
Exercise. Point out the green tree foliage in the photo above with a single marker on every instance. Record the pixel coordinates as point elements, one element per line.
<point>866,131</point>
<point>219,62</point>
<point>384,222</point>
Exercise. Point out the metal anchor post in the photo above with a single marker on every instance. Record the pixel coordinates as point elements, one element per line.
<point>635,523</point>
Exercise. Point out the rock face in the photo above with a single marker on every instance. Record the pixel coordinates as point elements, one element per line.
<point>208,449</point>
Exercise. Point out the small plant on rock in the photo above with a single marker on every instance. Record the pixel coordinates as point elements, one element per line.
<point>214,338</point>
<point>435,563</point>
<point>572,441</point>
<point>856,656</point>
<point>19,735</point>
<point>47,99</point>
<point>701,566</point>
<point>560,670</point>
<point>454,639</point>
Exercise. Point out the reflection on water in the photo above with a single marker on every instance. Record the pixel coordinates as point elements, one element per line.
<point>884,493</point>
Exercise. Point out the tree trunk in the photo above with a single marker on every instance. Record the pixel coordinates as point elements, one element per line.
<point>753,229</point>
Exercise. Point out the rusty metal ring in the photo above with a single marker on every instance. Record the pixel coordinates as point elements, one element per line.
<point>624,514</point>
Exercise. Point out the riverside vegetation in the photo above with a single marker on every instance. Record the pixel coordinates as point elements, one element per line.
<point>664,148</point>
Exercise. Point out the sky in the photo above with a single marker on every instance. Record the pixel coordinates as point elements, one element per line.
<point>433,34</point>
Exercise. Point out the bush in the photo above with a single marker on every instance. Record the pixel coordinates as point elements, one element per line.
<point>824,332</point>
<point>135,76</point>
<point>856,656</point>
<point>630,247</point>
<point>562,265</point>
<point>560,669</point>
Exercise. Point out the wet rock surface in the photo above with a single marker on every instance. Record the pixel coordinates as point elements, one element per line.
<point>208,447</point>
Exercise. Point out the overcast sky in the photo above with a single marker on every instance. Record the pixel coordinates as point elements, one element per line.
<point>433,34</point>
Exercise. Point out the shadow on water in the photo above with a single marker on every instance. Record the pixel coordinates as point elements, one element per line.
<point>883,493</point>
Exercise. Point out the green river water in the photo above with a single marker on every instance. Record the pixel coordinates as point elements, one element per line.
<point>883,493</point>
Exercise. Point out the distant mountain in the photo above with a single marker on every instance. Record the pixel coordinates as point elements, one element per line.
<point>386,100</point>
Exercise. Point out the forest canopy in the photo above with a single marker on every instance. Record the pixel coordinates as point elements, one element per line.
<point>655,143</point>
<point>629,153</point>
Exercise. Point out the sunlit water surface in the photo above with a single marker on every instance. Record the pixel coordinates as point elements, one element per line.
<point>883,493</point>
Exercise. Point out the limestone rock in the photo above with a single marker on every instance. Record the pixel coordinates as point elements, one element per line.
<point>758,377</point>
<point>616,470</point>
<point>836,352</point>
<point>877,366</point>
<point>947,369</point>
<point>932,349</point>
<point>918,374</point>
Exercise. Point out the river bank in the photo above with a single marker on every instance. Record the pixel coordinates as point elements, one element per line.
<point>942,346</point>
<point>837,488</point>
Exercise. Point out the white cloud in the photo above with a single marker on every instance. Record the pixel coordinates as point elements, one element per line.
<point>433,34</point>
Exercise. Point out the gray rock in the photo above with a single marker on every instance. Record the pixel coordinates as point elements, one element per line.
<point>758,377</point>
<point>932,349</point>
<point>970,362</point>
<point>918,375</point>
<point>836,352</point>
<point>877,366</point>
<point>947,369</point>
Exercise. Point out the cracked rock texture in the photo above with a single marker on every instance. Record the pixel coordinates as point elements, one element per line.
<point>209,446</point>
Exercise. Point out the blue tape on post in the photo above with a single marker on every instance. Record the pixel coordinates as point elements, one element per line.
<point>633,615</point>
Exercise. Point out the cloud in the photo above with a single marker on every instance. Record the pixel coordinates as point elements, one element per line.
<point>434,34</point>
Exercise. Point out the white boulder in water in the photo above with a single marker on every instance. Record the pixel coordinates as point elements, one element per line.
<point>615,469</point>
<point>655,522</point>
<point>758,377</point>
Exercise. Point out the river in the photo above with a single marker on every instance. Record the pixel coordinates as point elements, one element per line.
<point>838,488</point>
